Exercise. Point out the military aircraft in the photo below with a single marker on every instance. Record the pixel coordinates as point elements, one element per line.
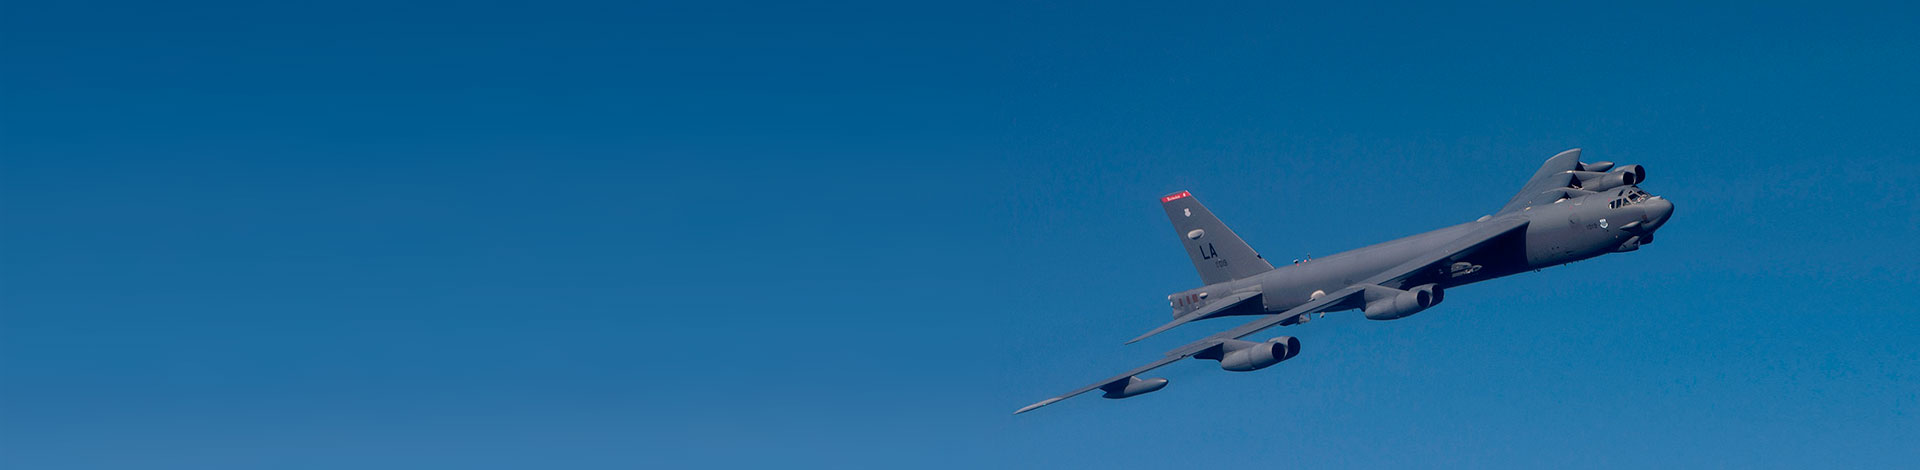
<point>1569,211</point>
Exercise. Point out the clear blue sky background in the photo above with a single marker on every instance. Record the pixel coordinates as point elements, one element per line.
<point>744,234</point>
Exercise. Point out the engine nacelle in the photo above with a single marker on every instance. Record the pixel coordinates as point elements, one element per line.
<point>1595,181</point>
<point>1602,181</point>
<point>1132,387</point>
<point>1637,174</point>
<point>1596,166</point>
<point>1242,356</point>
<point>1386,303</point>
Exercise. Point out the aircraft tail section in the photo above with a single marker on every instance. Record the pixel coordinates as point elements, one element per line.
<point>1217,252</point>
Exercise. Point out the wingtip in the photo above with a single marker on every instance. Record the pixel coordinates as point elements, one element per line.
<point>1155,331</point>
<point>1045,402</point>
<point>1150,334</point>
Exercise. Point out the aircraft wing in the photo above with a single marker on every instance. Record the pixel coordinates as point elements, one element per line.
<point>1555,173</point>
<point>1195,347</point>
<point>1336,300</point>
<point>1454,251</point>
<point>1216,307</point>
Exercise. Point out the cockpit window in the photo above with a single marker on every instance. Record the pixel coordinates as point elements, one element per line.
<point>1629,197</point>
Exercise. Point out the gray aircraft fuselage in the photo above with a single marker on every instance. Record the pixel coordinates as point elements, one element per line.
<point>1568,211</point>
<point>1572,229</point>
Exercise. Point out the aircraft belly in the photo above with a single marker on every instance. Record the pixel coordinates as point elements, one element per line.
<point>1504,258</point>
<point>1291,286</point>
<point>1550,240</point>
<point>1281,289</point>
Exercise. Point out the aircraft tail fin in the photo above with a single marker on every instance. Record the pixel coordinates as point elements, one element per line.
<point>1217,252</point>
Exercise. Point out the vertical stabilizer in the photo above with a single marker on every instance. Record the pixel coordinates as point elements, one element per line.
<point>1217,252</point>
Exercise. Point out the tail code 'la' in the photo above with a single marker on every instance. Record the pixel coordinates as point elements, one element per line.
<point>1217,253</point>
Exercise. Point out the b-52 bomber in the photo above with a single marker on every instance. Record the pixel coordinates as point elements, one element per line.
<point>1569,211</point>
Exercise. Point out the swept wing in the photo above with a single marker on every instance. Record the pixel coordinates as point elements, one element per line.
<point>1338,300</point>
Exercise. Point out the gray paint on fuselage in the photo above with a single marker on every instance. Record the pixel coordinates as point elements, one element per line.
<point>1557,233</point>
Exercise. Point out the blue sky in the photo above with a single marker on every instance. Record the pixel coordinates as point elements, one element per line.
<point>743,234</point>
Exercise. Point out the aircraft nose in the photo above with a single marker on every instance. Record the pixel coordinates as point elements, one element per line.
<point>1658,210</point>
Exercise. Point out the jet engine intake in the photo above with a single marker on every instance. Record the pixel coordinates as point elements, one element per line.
<point>1636,174</point>
<point>1386,303</point>
<point>1241,356</point>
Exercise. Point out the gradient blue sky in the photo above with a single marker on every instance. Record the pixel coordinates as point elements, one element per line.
<point>748,234</point>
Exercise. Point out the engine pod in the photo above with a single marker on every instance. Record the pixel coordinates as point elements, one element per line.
<point>1132,387</point>
<point>1243,356</point>
<point>1386,303</point>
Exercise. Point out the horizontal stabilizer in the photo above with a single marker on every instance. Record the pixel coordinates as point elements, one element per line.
<point>1203,313</point>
